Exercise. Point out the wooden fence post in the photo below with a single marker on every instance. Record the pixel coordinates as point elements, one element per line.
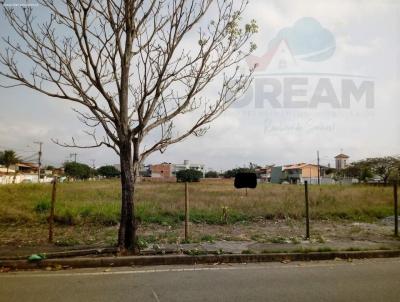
<point>186,211</point>
<point>53,201</point>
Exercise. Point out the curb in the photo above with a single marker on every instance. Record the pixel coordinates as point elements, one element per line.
<point>191,260</point>
<point>67,254</point>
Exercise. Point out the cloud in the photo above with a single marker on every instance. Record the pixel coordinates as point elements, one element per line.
<point>307,40</point>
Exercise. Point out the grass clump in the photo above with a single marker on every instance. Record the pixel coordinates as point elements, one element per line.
<point>208,238</point>
<point>278,239</point>
<point>195,252</point>
<point>248,252</point>
<point>42,206</point>
<point>66,242</point>
<point>258,237</point>
<point>324,249</point>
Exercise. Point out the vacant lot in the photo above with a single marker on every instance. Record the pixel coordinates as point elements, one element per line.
<point>87,212</point>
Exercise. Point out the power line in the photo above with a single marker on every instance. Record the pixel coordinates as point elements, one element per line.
<point>28,158</point>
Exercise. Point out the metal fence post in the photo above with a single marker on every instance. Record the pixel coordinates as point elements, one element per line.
<point>396,213</point>
<point>307,210</point>
<point>53,201</point>
<point>186,211</point>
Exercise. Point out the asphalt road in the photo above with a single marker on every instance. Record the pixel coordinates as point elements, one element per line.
<point>361,280</point>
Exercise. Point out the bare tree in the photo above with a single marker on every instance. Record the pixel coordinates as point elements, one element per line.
<point>135,66</point>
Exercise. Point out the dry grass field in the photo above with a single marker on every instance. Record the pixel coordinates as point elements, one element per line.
<point>88,211</point>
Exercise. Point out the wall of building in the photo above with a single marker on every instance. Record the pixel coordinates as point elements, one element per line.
<point>309,171</point>
<point>314,180</point>
<point>276,175</point>
<point>340,163</point>
<point>19,178</point>
<point>161,170</point>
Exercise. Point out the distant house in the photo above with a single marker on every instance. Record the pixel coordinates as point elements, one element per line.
<point>276,175</point>
<point>4,170</point>
<point>188,165</point>
<point>264,173</point>
<point>296,173</point>
<point>163,170</point>
<point>341,161</point>
<point>26,168</point>
<point>168,170</point>
<point>28,173</point>
<point>19,173</point>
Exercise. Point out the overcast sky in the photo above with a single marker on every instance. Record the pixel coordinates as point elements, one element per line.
<point>356,40</point>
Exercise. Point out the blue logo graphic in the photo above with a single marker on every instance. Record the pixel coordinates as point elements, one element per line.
<point>307,40</point>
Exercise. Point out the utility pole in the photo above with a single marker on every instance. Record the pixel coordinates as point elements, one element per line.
<point>74,155</point>
<point>93,163</point>
<point>319,169</point>
<point>40,159</point>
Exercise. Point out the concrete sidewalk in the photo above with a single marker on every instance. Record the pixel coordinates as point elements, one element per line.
<point>217,247</point>
<point>253,247</point>
<point>208,252</point>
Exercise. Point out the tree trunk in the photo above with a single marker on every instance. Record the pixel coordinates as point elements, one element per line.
<point>385,180</point>
<point>127,228</point>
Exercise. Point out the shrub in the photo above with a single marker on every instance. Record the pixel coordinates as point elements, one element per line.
<point>232,173</point>
<point>108,171</point>
<point>77,170</point>
<point>211,174</point>
<point>42,206</point>
<point>189,175</point>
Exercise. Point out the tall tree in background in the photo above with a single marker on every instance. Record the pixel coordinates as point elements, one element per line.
<point>135,66</point>
<point>108,171</point>
<point>8,158</point>
<point>77,170</point>
<point>385,167</point>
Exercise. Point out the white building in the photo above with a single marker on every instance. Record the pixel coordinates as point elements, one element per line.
<point>187,165</point>
<point>341,161</point>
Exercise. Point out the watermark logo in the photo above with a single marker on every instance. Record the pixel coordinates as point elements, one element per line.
<point>306,40</point>
<point>20,3</point>
<point>295,73</point>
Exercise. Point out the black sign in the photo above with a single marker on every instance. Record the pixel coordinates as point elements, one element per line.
<point>245,180</point>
